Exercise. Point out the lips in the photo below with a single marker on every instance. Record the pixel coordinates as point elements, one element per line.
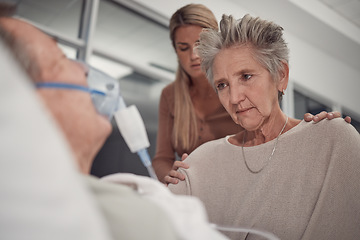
<point>242,110</point>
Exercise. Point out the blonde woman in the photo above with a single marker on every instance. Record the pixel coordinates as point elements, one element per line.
<point>189,111</point>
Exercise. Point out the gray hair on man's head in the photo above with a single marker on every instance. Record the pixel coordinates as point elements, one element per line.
<point>7,10</point>
<point>265,38</point>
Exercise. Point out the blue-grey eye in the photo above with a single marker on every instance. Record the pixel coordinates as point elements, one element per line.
<point>221,86</point>
<point>247,76</point>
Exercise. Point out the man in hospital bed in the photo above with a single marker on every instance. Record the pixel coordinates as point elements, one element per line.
<point>46,197</point>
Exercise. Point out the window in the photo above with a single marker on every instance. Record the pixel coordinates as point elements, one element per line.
<point>68,51</point>
<point>355,119</point>
<point>134,38</point>
<point>304,104</point>
<point>62,16</point>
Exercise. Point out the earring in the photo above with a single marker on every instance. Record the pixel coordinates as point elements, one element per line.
<point>282,92</point>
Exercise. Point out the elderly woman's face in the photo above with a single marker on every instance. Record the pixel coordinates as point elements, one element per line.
<point>245,88</point>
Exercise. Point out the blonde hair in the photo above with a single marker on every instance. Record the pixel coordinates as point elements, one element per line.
<point>264,37</point>
<point>185,132</point>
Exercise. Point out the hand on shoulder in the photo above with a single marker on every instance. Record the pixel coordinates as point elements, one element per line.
<point>308,117</point>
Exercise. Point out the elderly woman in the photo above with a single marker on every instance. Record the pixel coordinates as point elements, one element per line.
<point>295,179</point>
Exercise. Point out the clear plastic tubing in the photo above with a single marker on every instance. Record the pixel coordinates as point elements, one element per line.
<point>145,159</point>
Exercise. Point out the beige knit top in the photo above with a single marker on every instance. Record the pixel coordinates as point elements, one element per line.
<point>309,190</point>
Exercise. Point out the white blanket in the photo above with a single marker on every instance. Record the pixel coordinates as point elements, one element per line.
<point>187,213</point>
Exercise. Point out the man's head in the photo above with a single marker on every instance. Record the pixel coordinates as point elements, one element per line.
<point>73,110</point>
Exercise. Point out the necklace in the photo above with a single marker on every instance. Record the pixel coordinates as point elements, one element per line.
<point>272,153</point>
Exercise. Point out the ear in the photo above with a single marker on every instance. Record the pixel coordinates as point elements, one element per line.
<point>283,77</point>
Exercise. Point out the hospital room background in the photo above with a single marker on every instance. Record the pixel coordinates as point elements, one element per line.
<point>129,40</point>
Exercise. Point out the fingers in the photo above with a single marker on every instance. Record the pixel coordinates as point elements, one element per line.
<point>169,180</point>
<point>174,177</point>
<point>332,115</point>
<point>348,119</point>
<point>308,117</point>
<point>338,114</point>
<point>184,156</point>
<point>180,164</point>
<point>320,116</point>
<point>176,174</point>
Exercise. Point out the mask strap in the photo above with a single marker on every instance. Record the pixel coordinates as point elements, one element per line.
<point>68,86</point>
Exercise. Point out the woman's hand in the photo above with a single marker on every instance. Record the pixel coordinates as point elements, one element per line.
<point>174,176</point>
<point>308,117</point>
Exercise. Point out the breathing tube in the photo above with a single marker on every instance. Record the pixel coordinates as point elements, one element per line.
<point>106,96</point>
<point>132,128</point>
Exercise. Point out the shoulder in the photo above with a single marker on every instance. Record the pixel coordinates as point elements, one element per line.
<point>203,162</point>
<point>167,95</point>
<point>207,149</point>
<point>335,133</point>
<point>336,127</point>
<point>168,90</point>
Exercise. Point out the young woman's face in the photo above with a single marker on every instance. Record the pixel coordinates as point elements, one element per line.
<point>185,38</point>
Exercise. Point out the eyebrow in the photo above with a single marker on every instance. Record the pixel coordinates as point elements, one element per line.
<point>236,74</point>
<point>216,81</point>
<point>241,72</point>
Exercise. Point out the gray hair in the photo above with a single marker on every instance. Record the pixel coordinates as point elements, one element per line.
<point>16,45</point>
<point>18,49</point>
<point>265,39</point>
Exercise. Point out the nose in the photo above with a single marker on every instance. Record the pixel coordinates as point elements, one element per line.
<point>237,94</point>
